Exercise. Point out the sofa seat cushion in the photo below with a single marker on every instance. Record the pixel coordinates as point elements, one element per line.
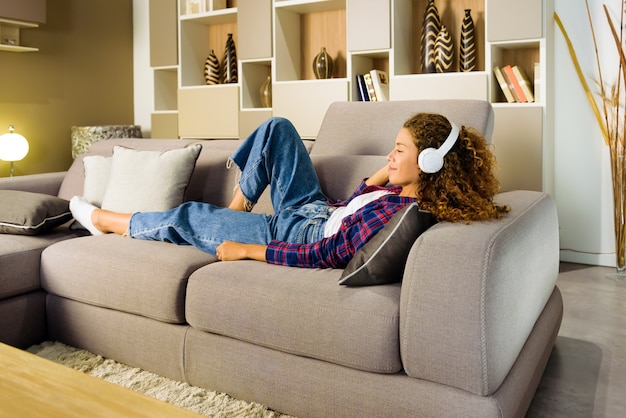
<point>19,260</point>
<point>146,278</point>
<point>299,311</point>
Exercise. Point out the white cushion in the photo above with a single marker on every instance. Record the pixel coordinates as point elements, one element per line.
<point>139,181</point>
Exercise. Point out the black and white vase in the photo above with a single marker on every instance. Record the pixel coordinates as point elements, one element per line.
<point>467,45</point>
<point>229,64</point>
<point>431,26</point>
<point>212,69</point>
<point>323,65</point>
<point>444,51</point>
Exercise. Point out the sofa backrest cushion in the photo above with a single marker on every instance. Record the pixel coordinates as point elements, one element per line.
<point>370,128</point>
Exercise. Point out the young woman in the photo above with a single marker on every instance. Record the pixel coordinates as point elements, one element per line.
<point>448,171</point>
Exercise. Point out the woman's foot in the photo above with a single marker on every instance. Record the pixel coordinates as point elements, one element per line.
<point>83,212</point>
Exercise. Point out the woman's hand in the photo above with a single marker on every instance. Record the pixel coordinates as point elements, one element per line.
<point>231,251</point>
<point>379,178</point>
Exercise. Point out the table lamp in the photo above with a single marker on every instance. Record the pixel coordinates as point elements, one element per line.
<point>13,147</point>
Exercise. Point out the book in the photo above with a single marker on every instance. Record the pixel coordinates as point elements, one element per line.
<point>514,85</point>
<point>381,84</point>
<point>524,83</point>
<point>503,85</point>
<point>537,89</point>
<point>362,88</point>
<point>370,87</point>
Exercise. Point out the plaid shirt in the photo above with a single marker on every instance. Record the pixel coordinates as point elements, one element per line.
<point>336,251</point>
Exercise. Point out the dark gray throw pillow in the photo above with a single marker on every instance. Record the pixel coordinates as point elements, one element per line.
<point>26,213</point>
<point>381,260</point>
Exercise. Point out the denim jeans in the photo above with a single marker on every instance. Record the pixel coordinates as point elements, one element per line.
<point>273,155</point>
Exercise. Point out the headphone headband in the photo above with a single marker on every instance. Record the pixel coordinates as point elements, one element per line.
<point>430,160</point>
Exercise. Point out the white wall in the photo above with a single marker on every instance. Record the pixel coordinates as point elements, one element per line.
<point>582,172</point>
<point>143,75</point>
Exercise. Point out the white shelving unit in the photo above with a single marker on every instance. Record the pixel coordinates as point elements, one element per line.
<point>280,38</point>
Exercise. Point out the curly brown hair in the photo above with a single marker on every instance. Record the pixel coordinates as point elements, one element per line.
<point>464,188</point>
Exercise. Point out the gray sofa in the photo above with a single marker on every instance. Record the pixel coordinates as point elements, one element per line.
<point>468,332</point>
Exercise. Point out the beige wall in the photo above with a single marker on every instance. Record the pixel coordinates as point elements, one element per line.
<point>82,75</point>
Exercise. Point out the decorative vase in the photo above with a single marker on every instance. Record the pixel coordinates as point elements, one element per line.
<point>265,92</point>
<point>618,177</point>
<point>467,47</point>
<point>212,69</point>
<point>323,65</point>
<point>444,51</point>
<point>431,26</point>
<point>229,64</point>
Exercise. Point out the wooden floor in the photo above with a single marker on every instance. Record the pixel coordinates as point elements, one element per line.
<point>586,375</point>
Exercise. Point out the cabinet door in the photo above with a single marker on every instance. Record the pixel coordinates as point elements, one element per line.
<point>209,112</point>
<point>27,10</point>
<point>368,25</point>
<point>514,19</point>
<point>518,146</point>
<point>254,18</point>
<point>305,103</point>
<point>163,33</point>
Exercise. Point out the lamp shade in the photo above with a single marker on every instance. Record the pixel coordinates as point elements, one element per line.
<point>13,147</point>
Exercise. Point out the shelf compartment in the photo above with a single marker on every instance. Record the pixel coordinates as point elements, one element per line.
<point>524,54</point>
<point>10,39</point>
<point>253,75</point>
<point>200,117</point>
<point>408,17</point>
<point>314,97</point>
<point>165,88</point>
<point>301,30</point>
<point>198,37</point>
<point>361,63</point>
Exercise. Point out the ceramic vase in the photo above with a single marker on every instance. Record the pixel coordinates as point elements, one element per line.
<point>229,64</point>
<point>265,92</point>
<point>323,65</point>
<point>444,51</point>
<point>431,26</point>
<point>212,69</point>
<point>467,44</point>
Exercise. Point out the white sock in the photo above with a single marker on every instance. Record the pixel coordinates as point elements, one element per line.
<point>82,210</point>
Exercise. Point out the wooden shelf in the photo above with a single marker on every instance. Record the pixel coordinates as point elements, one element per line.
<point>10,35</point>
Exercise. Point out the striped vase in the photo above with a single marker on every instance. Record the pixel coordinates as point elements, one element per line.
<point>229,64</point>
<point>467,45</point>
<point>212,69</point>
<point>323,65</point>
<point>430,28</point>
<point>444,51</point>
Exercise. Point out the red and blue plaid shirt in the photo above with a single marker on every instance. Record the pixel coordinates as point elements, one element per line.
<point>356,229</point>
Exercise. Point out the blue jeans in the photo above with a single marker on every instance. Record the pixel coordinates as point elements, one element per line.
<point>273,155</point>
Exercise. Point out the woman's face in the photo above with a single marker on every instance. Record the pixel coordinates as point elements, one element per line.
<point>402,163</point>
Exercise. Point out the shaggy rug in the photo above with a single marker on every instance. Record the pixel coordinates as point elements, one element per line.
<point>201,401</point>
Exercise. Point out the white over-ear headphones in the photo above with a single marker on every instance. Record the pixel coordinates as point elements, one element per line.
<point>430,160</point>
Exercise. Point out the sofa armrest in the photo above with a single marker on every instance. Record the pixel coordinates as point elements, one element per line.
<point>47,183</point>
<point>471,294</point>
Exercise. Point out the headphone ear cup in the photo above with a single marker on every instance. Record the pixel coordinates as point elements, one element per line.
<point>430,160</point>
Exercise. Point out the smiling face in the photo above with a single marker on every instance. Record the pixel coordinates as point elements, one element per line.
<point>402,164</point>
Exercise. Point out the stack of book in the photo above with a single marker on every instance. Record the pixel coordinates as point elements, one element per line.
<point>514,84</point>
<point>373,86</point>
